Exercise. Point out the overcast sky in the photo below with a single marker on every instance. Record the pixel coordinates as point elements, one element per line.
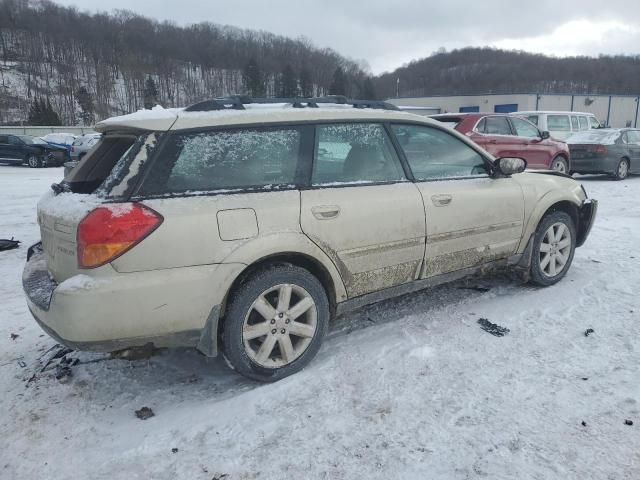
<point>388,33</point>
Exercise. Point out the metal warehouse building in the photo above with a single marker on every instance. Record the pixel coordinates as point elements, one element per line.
<point>613,110</point>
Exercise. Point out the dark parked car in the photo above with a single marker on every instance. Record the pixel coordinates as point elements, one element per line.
<point>614,151</point>
<point>509,136</point>
<point>33,151</point>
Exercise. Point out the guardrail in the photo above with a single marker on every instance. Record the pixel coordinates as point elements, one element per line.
<point>43,130</point>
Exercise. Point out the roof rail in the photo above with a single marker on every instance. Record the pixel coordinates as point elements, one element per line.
<point>237,102</point>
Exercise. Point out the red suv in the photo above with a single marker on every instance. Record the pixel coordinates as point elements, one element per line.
<point>509,136</point>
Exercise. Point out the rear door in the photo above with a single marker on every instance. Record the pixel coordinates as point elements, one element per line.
<point>4,147</point>
<point>497,137</point>
<point>472,219</point>
<point>633,139</point>
<point>361,209</point>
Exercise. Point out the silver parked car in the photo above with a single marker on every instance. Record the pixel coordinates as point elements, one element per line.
<point>225,226</point>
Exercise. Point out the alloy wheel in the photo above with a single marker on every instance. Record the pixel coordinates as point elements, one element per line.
<point>279,325</point>
<point>559,166</point>
<point>623,169</point>
<point>555,249</point>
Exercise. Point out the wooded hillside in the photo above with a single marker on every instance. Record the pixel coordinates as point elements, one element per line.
<point>93,66</point>
<point>488,70</point>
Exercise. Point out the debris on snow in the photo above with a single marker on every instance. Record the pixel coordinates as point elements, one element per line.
<point>145,413</point>
<point>63,373</point>
<point>588,332</point>
<point>628,422</point>
<point>14,336</point>
<point>492,328</point>
<point>477,288</point>
<point>174,450</point>
<point>8,244</point>
<point>584,424</point>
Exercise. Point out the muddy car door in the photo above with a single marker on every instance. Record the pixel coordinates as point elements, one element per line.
<point>361,209</point>
<point>472,218</point>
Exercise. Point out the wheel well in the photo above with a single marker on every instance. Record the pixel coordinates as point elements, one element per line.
<point>299,260</point>
<point>567,207</point>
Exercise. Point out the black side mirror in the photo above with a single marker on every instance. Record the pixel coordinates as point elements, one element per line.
<point>544,135</point>
<point>510,165</point>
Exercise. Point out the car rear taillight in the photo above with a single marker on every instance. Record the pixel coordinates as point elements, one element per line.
<point>599,149</point>
<point>109,231</point>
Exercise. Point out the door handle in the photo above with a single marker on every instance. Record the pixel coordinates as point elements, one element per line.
<point>441,200</point>
<point>492,140</point>
<point>325,212</point>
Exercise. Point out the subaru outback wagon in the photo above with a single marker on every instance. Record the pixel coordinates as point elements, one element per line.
<point>242,227</point>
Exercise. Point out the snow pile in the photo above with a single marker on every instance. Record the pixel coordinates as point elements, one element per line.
<point>79,282</point>
<point>71,207</point>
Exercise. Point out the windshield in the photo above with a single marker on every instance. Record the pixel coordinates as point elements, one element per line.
<point>31,140</point>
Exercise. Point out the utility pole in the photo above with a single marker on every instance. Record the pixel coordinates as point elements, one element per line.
<point>398,87</point>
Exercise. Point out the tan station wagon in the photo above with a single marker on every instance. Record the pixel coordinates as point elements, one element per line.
<point>244,226</point>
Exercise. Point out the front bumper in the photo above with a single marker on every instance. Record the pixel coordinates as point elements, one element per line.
<point>586,216</point>
<point>169,308</point>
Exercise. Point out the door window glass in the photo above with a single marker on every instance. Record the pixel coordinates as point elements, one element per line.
<point>574,123</point>
<point>584,125</point>
<point>227,159</point>
<point>558,123</point>
<point>435,154</point>
<point>532,118</point>
<point>524,128</point>
<point>633,136</point>
<point>4,139</point>
<point>594,122</point>
<point>354,153</point>
<point>497,126</point>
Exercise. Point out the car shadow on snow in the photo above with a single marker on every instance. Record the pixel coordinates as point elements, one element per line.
<point>176,374</point>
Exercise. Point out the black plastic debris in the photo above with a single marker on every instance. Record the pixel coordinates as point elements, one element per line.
<point>14,336</point>
<point>584,424</point>
<point>492,328</point>
<point>588,332</point>
<point>63,373</point>
<point>628,422</point>
<point>174,450</point>
<point>476,288</point>
<point>9,244</point>
<point>145,413</point>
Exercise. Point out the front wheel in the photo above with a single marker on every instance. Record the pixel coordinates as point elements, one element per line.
<point>553,249</point>
<point>622,170</point>
<point>34,161</point>
<point>559,164</point>
<point>275,323</point>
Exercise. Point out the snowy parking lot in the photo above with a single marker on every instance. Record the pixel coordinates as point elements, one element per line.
<point>409,388</point>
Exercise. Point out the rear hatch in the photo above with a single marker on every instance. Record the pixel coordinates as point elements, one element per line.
<point>106,175</point>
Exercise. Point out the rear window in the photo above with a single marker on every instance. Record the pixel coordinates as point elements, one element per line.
<point>226,160</point>
<point>558,123</point>
<point>601,137</point>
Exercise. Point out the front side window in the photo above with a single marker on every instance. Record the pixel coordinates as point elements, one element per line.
<point>226,160</point>
<point>497,126</point>
<point>354,153</point>
<point>524,128</point>
<point>559,123</point>
<point>14,141</point>
<point>574,123</point>
<point>593,121</point>
<point>584,125</point>
<point>532,118</point>
<point>434,154</point>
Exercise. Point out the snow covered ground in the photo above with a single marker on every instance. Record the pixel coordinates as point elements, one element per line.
<point>410,388</point>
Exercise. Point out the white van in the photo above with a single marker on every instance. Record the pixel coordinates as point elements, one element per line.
<point>561,125</point>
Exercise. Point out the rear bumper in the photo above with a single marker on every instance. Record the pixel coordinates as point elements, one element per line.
<point>586,217</point>
<point>594,165</point>
<point>169,308</point>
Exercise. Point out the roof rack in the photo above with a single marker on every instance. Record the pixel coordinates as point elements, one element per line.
<point>237,102</point>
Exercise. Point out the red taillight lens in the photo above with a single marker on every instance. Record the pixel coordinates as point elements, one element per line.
<point>109,231</point>
<point>599,149</point>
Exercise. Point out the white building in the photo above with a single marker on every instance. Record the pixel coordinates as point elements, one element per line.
<point>613,110</point>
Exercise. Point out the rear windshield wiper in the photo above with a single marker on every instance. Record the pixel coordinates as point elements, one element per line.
<point>60,187</point>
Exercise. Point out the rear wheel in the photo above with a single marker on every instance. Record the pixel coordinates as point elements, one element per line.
<point>622,170</point>
<point>559,164</point>
<point>553,249</point>
<point>275,323</point>
<point>34,161</point>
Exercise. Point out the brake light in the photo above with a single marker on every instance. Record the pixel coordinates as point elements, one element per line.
<point>599,149</point>
<point>109,231</point>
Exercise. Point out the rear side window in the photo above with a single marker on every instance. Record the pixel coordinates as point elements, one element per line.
<point>558,123</point>
<point>263,158</point>
<point>497,126</point>
<point>354,153</point>
<point>435,154</point>
<point>584,125</point>
<point>4,139</point>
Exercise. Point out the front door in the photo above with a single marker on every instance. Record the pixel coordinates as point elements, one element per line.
<point>537,152</point>
<point>361,210</point>
<point>472,218</point>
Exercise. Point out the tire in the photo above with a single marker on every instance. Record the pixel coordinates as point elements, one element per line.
<point>559,164</point>
<point>34,161</point>
<point>544,265</point>
<point>622,170</point>
<point>260,354</point>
